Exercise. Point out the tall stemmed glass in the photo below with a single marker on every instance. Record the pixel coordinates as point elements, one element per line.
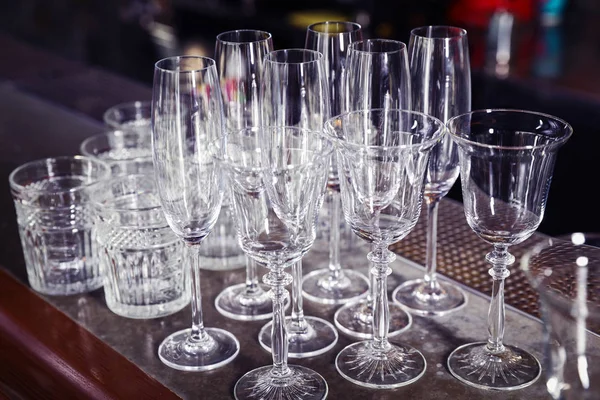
<point>377,77</point>
<point>294,94</point>
<point>334,285</point>
<point>187,115</point>
<point>383,155</point>
<point>239,55</point>
<point>441,87</point>
<point>506,162</point>
<point>277,177</point>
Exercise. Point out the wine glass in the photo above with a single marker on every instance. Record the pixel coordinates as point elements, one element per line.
<point>294,94</point>
<point>383,155</point>
<point>239,55</point>
<point>506,162</point>
<point>377,77</point>
<point>277,180</point>
<point>334,285</point>
<point>187,116</point>
<point>566,274</point>
<point>441,87</point>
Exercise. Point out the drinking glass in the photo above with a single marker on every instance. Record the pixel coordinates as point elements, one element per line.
<point>334,285</point>
<point>277,180</point>
<point>294,94</point>
<point>131,116</point>
<point>128,152</point>
<point>383,155</point>
<point>506,162</point>
<point>377,77</point>
<point>141,257</point>
<point>239,55</point>
<point>441,87</point>
<point>566,274</point>
<point>53,202</point>
<point>186,117</point>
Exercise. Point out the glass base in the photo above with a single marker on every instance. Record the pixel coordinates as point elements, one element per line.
<point>319,337</point>
<point>320,287</point>
<point>300,383</point>
<point>356,320</point>
<point>234,303</point>
<point>416,296</point>
<point>180,352</point>
<point>397,365</point>
<point>511,369</point>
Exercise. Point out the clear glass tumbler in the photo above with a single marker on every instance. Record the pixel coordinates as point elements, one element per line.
<point>132,116</point>
<point>141,256</point>
<point>54,211</point>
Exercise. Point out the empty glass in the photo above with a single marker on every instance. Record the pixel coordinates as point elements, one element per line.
<point>506,162</point>
<point>132,116</point>
<point>566,274</point>
<point>277,177</point>
<point>383,156</point>
<point>126,151</point>
<point>55,216</point>
<point>441,87</point>
<point>187,115</point>
<point>142,258</point>
<point>239,55</point>
<point>334,285</point>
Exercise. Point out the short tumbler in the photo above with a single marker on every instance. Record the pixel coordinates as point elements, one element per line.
<point>141,257</point>
<point>54,213</point>
<point>133,116</point>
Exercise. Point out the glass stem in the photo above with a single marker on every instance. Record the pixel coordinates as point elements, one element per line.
<point>500,258</point>
<point>277,279</point>
<point>335,268</point>
<point>198,333</point>
<point>298,325</point>
<point>381,257</point>
<point>251,277</point>
<point>431,282</point>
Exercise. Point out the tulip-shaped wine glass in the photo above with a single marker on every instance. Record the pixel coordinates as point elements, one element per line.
<point>377,76</point>
<point>334,285</point>
<point>239,55</point>
<point>186,117</point>
<point>383,156</point>
<point>507,159</point>
<point>441,87</point>
<point>294,94</point>
<point>277,180</point>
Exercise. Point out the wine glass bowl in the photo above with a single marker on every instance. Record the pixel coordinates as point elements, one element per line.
<point>383,156</point>
<point>506,163</point>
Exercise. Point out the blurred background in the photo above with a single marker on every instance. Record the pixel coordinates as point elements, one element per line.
<point>541,55</point>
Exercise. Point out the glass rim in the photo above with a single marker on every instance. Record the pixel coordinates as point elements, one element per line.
<point>318,56</point>
<point>114,132</point>
<point>354,25</point>
<point>122,178</point>
<point>103,166</point>
<point>209,63</point>
<point>461,139</point>
<point>267,36</point>
<point>562,302</point>
<point>441,129</point>
<point>461,32</point>
<point>353,46</point>
<point>133,105</point>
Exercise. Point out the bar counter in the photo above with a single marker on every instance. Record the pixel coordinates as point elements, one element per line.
<point>74,347</point>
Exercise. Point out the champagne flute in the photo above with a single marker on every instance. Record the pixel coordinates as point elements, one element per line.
<point>277,177</point>
<point>334,285</point>
<point>239,55</point>
<point>383,156</point>
<point>506,162</point>
<point>377,76</point>
<point>294,94</point>
<point>186,117</point>
<point>441,87</point>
